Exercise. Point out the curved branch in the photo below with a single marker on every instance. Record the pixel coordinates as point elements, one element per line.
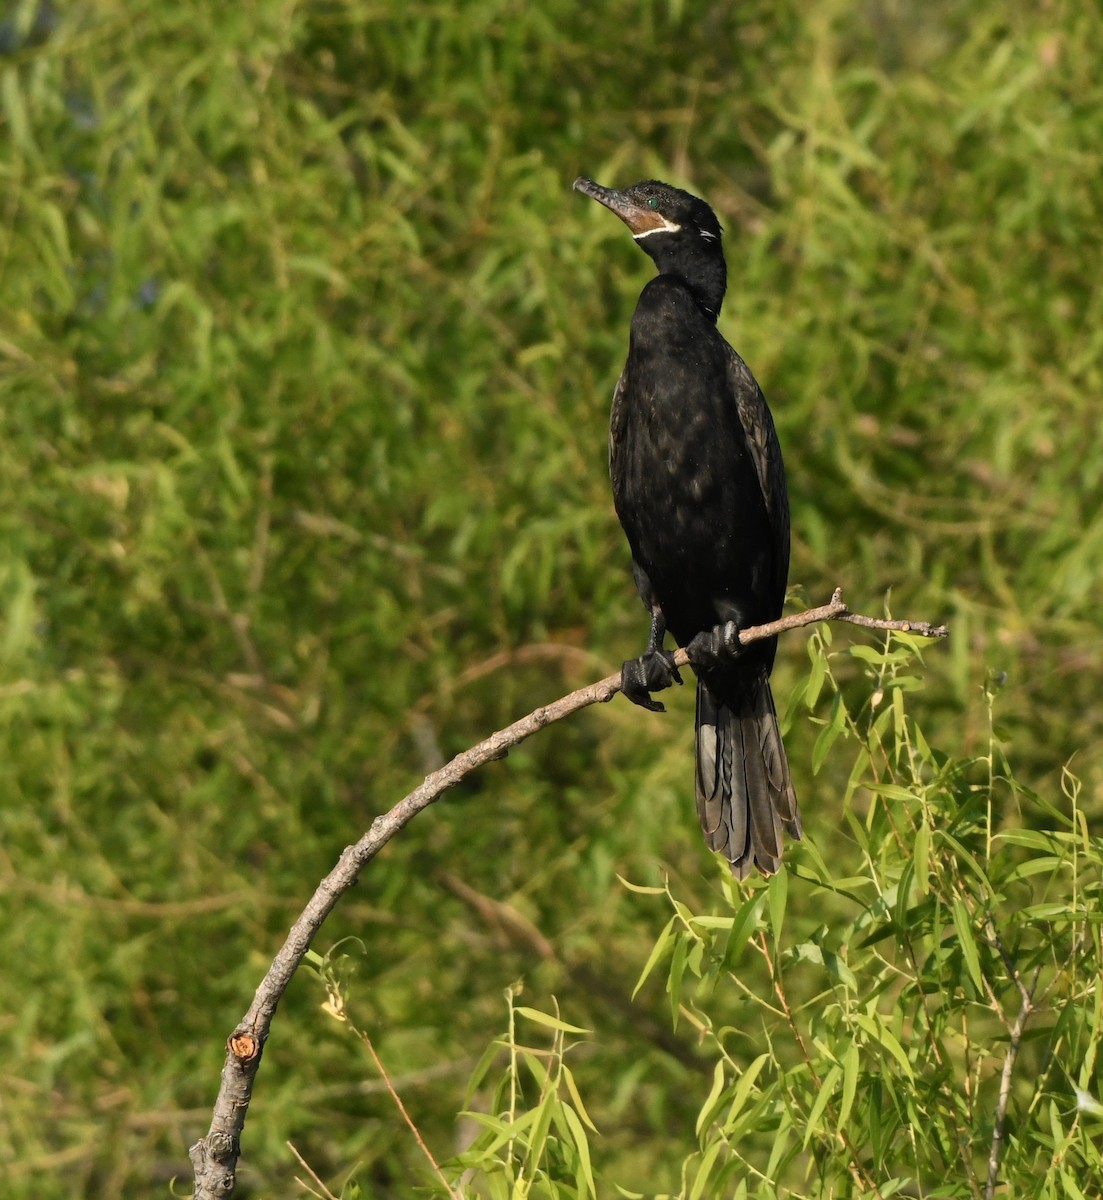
<point>214,1157</point>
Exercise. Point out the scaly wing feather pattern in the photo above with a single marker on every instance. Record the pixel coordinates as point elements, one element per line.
<point>758,428</point>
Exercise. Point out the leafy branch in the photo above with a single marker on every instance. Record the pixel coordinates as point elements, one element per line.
<point>214,1157</point>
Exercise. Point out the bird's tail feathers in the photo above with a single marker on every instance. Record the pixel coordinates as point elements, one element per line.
<point>745,795</point>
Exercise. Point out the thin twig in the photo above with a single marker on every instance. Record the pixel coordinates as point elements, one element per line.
<point>1014,1040</point>
<point>854,1164</point>
<point>402,1109</point>
<point>214,1157</point>
<point>996,1151</point>
<point>325,1193</point>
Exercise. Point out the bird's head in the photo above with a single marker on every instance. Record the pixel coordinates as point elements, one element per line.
<point>678,230</point>
<point>652,209</point>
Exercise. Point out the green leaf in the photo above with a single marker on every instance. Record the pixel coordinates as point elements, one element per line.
<point>500,1185</point>
<point>833,963</point>
<point>704,1171</point>
<point>748,915</point>
<point>705,1116</point>
<point>778,891</point>
<point>488,1056</point>
<point>547,1020</point>
<point>676,976</point>
<point>823,1098</point>
<point>964,931</point>
<point>921,857</point>
<point>816,678</point>
<point>545,1113</point>
<point>781,1144</point>
<point>662,943</point>
<point>504,1131</point>
<point>535,1061</point>
<point>1052,911</point>
<point>903,683</point>
<point>582,1146</point>
<point>1034,839</point>
<point>892,791</point>
<point>883,1037</point>
<point>922,745</point>
<point>967,858</point>
<point>743,1089</point>
<point>851,1064</point>
<point>868,654</point>
<point>828,735</point>
<point>641,889</point>
<point>572,1089</point>
<point>1071,1185</point>
<point>1045,864</point>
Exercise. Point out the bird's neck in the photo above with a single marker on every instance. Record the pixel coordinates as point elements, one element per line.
<point>699,264</point>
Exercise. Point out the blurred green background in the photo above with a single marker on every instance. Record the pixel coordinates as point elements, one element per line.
<point>305,355</point>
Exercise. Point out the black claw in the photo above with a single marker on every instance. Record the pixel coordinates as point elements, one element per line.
<point>651,672</point>
<point>645,701</point>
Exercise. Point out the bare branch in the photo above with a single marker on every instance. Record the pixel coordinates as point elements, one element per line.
<point>214,1157</point>
<point>995,1152</point>
<point>1015,1037</point>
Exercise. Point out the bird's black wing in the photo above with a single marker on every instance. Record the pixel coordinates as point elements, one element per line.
<point>758,428</point>
<point>617,418</point>
<point>745,794</point>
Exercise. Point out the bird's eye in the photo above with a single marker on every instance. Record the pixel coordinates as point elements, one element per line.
<point>652,201</point>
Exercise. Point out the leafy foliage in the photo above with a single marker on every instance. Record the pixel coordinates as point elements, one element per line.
<point>305,348</point>
<point>933,1029</point>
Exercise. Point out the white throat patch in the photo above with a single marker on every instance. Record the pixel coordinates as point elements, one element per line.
<point>665,227</point>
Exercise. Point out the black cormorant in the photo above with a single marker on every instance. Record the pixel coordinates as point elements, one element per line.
<point>699,487</point>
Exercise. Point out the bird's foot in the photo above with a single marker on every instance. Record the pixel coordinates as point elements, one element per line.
<point>651,672</point>
<point>715,647</point>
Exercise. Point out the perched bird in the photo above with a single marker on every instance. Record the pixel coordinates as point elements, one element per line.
<point>699,487</point>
